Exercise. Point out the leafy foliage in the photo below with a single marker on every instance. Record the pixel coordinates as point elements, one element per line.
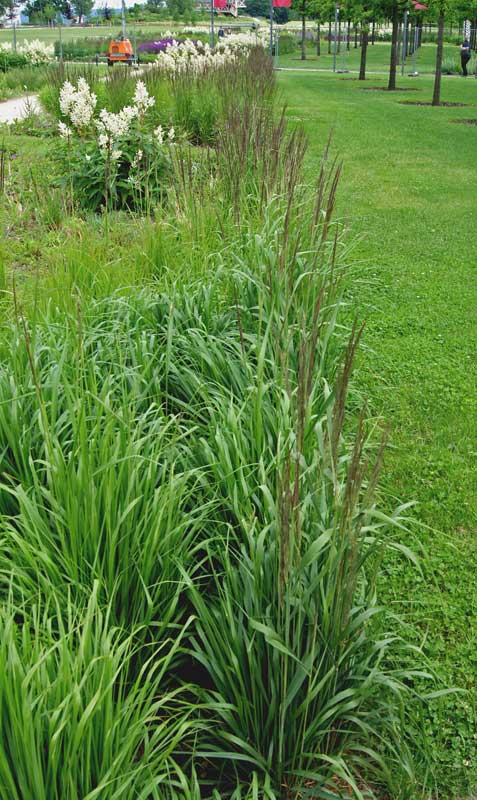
<point>190,535</point>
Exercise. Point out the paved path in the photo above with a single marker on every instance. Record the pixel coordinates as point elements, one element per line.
<point>356,72</point>
<point>18,108</point>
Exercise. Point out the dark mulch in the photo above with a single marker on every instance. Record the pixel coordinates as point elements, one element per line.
<point>442,105</point>
<point>385,89</point>
<point>465,121</point>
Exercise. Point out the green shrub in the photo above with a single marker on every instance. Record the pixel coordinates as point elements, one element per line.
<point>11,60</point>
<point>146,58</point>
<point>82,48</point>
<point>287,44</point>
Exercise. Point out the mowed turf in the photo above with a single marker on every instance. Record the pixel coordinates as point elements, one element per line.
<point>408,194</point>
<point>69,33</point>
<point>377,59</point>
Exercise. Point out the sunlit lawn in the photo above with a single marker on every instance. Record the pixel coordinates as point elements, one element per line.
<point>408,193</point>
<point>377,58</point>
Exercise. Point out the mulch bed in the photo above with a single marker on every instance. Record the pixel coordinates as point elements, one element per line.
<point>385,89</point>
<point>442,105</point>
<point>465,121</point>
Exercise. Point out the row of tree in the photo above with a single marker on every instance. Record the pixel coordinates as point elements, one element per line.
<point>49,10</point>
<point>364,14</point>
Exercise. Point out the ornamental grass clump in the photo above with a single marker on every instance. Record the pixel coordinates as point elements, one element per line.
<point>76,722</point>
<point>188,459</point>
<point>190,528</point>
<point>303,689</point>
<point>111,160</point>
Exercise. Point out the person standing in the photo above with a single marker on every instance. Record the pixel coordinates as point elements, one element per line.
<point>465,54</point>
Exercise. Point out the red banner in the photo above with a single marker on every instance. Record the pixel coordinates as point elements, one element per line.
<point>220,3</point>
<point>419,6</point>
<point>281,3</point>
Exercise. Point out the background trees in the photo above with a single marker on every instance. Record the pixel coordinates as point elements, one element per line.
<point>403,25</point>
<point>83,8</point>
<point>48,10</point>
<point>180,8</point>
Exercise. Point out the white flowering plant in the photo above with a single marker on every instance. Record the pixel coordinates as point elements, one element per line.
<point>112,160</point>
<point>37,53</point>
<point>195,57</point>
<point>32,54</point>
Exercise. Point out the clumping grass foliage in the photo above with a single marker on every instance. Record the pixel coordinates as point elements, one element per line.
<point>190,534</point>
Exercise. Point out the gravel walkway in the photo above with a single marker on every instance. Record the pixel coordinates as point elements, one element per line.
<point>18,108</point>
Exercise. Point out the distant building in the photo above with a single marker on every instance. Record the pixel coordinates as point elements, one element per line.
<point>222,7</point>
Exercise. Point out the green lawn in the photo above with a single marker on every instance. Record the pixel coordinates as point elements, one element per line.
<point>408,195</point>
<point>377,58</point>
<point>47,34</point>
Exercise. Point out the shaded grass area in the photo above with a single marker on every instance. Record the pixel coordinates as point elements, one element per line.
<point>407,193</point>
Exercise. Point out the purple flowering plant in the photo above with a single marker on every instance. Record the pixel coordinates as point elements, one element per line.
<point>160,46</point>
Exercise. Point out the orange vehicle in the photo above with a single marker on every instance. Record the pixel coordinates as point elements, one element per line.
<point>120,50</point>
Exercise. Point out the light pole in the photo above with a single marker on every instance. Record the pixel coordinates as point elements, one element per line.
<point>404,42</point>
<point>212,32</point>
<point>343,56</point>
<point>60,25</point>
<point>337,11</point>
<point>271,28</point>
<point>414,72</point>
<point>123,18</point>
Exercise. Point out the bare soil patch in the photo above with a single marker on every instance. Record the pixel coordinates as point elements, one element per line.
<point>385,89</point>
<point>465,121</point>
<point>442,105</point>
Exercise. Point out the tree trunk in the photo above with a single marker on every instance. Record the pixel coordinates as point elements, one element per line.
<point>303,35</point>
<point>372,32</point>
<point>394,41</point>
<point>436,97</point>
<point>318,38</point>
<point>329,37</point>
<point>399,42</point>
<point>348,34</point>
<point>355,36</point>
<point>364,48</point>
